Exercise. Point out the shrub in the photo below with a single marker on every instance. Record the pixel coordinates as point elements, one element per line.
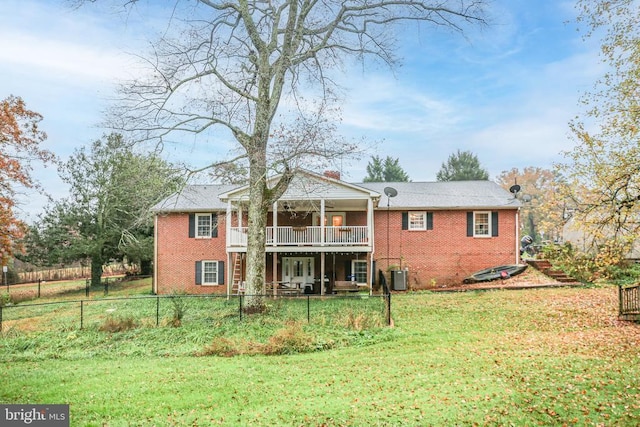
<point>220,347</point>
<point>6,299</point>
<point>179,309</point>
<point>118,324</point>
<point>288,340</point>
<point>607,262</point>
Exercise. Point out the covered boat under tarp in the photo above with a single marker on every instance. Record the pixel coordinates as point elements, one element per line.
<point>495,273</point>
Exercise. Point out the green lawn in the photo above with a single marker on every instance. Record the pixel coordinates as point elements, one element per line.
<point>535,357</point>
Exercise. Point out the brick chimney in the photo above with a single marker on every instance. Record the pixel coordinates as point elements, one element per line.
<point>332,174</point>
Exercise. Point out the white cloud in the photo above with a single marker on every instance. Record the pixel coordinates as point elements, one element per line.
<point>69,61</point>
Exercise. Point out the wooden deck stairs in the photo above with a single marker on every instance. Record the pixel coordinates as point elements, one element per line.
<point>546,268</point>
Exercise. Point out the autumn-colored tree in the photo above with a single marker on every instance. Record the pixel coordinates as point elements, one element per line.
<point>20,146</point>
<point>602,169</point>
<point>541,215</point>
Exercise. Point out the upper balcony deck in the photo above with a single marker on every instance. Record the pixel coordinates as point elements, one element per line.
<point>309,236</point>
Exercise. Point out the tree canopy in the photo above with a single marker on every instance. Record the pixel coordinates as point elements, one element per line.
<point>541,215</point>
<point>107,215</point>
<point>20,145</point>
<point>246,68</point>
<point>387,170</point>
<point>602,169</point>
<point>462,166</point>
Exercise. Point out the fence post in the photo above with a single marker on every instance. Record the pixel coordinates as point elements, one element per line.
<point>157,311</point>
<point>308,308</point>
<point>106,286</point>
<point>388,307</point>
<point>39,281</point>
<point>0,318</point>
<point>81,314</point>
<point>87,285</point>
<point>240,308</point>
<point>620,305</point>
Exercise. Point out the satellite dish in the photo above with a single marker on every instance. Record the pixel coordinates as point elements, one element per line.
<point>390,191</point>
<point>514,189</point>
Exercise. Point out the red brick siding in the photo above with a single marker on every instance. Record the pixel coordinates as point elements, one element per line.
<point>444,255</point>
<point>177,255</point>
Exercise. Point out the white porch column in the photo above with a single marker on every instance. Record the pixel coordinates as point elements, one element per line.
<point>322,225</point>
<point>370,223</point>
<point>230,267</point>
<point>274,274</point>
<point>275,223</point>
<point>229,238</point>
<point>227,226</point>
<point>322,256</point>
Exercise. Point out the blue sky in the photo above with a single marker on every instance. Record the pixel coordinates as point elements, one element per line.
<point>506,92</point>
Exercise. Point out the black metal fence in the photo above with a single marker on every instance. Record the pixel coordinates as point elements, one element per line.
<point>629,300</point>
<point>167,309</point>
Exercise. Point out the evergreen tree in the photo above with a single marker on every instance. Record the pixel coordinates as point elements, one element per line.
<point>462,166</point>
<point>387,170</point>
<point>108,214</point>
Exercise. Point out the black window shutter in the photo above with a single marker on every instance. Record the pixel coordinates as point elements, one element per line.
<point>198,272</point>
<point>494,224</point>
<point>214,225</point>
<point>429,220</point>
<point>469,224</point>
<point>220,272</point>
<point>405,220</point>
<point>192,226</point>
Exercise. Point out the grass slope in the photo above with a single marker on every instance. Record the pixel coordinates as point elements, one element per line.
<point>534,357</point>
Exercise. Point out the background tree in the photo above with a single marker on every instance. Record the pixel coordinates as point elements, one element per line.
<point>107,215</point>
<point>602,169</point>
<point>387,170</point>
<point>541,216</point>
<point>230,173</point>
<point>241,68</point>
<point>462,166</point>
<point>20,146</point>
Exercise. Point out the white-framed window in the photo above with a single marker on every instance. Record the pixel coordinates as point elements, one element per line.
<point>359,270</point>
<point>417,220</point>
<point>482,224</point>
<point>203,226</point>
<point>209,273</point>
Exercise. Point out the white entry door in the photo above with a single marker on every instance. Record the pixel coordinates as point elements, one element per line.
<point>298,270</point>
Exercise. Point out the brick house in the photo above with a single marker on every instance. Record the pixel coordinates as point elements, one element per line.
<point>436,232</point>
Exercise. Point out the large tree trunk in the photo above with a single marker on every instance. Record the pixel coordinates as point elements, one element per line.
<point>259,201</point>
<point>96,270</point>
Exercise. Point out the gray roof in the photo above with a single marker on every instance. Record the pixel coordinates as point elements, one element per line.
<point>444,195</point>
<point>195,198</point>
<point>411,195</point>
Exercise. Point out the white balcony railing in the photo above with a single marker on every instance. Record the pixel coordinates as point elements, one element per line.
<point>305,236</point>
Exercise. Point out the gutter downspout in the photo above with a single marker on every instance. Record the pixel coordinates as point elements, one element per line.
<point>154,283</point>
<point>370,219</point>
<point>517,233</point>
